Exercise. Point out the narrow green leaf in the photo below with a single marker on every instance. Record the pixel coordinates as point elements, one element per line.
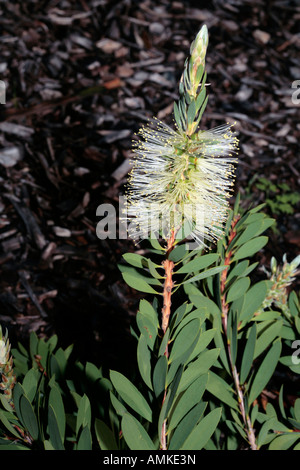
<point>203,431</point>
<point>6,422</point>
<point>147,328</point>
<point>205,274</point>
<point>163,344</point>
<point>144,360</point>
<point>239,288</point>
<point>54,431</point>
<point>85,439</point>
<point>178,253</point>
<point>135,434</point>
<point>220,389</point>
<point>187,401</point>
<point>55,400</point>
<point>179,314</point>
<point>201,97</point>
<point>232,334</point>
<point>191,113</point>
<point>135,260</point>
<point>248,354</point>
<point>13,446</point>
<point>253,230</point>
<point>185,338</point>
<point>250,248</point>
<point>105,436</point>
<point>198,367</point>
<point>201,301</point>
<point>199,263</point>
<point>130,394</point>
<point>159,375</point>
<point>177,116</point>
<point>137,283</point>
<point>285,441</point>
<point>186,425</point>
<point>118,406</point>
<point>265,371</point>
<point>30,383</point>
<point>268,336</point>
<point>28,417</point>
<point>147,309</point>
<point>297,409</point>
<point>253,300</point>
<point>205,338</point>
<point>84,414</point>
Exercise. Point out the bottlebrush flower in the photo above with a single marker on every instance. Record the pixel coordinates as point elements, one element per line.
<point>182,177</point>
<point>177,179</point>
<point>7,377</point>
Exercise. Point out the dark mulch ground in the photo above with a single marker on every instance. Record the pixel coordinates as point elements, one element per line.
<point>82,76</point>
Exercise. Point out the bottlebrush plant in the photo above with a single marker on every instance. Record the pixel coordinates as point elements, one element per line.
<point>213,341</point>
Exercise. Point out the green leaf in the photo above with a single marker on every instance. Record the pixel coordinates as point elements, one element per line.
<point>250,248</point>
<point>178,253</point>
<point>297,409</point>
<point>198,367</point>
<point>248,355</point>
<point>55,400</point>
<point>130,394</point>
<point>118,406</point>
<point>185,338</point>
<point>179,314</point>
<point>147,309</point>
<point>177,116</point>
<point>135,260</point>
<point>6,422</point>
<point>198,263</point>
<point>13,446</point>
<point>147,328</point>
<point>268,336</point>
<point>54,431</point>
<point>164,343</point>
<point>144,361</point>
<point>155,244</point>
<point>239,288</point>
<point>201,97</point>
<point>105,436</point>
<point>285,441</point>
<point>205,338</point>
<point>84,414</point>
<point>28,417</point>
<point>232,326</point>
<point>30,383</point>
<point>221,390</point>
<point>253,230</point>
<point>135,434</point>
<point>201,301</point>
<point>191,112</point>
<point>187,401</point>
<point>253,300</point>
<point>137,283</point>
<point>159,375</point>
<point>85,439</point>
<point>265,371</point>
<point>205,274</point>
<point>186,425</point>
<point>238,270</point>
<point>203,431</point>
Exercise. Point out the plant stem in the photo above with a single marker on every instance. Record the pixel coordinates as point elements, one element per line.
<point>166,311</point>
<point>248,425</point>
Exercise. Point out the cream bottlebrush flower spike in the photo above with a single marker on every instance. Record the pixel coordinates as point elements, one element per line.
<point>7,377</point>
<point>183,176</point>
